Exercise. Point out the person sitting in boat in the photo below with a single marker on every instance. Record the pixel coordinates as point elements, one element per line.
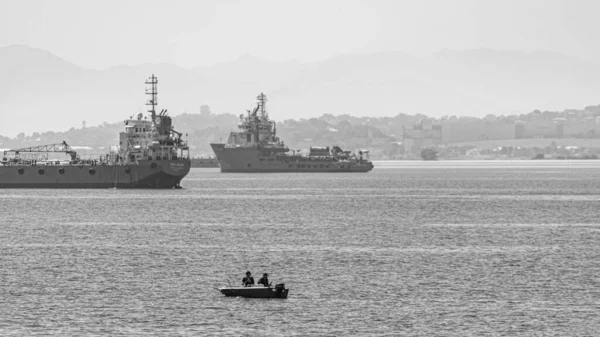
<point>248,280</point>
<point>264,280</point>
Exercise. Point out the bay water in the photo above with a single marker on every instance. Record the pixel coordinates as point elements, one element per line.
<point>409,249</point>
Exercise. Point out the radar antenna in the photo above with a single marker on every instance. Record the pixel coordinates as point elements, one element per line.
<point>152,91</point>
<point>262,105</point>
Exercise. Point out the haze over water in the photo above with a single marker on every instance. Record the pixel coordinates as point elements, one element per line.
<point>415,248</point>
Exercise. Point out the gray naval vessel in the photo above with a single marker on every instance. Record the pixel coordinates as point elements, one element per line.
<point>151,154</point>
<point>256,148</point>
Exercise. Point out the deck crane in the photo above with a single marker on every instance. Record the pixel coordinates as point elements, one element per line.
<point>59,147</point>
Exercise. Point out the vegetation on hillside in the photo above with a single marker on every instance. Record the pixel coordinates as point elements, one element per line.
<point>381,135</point>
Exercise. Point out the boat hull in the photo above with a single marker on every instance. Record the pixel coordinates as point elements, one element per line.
<point>204,162</point>
<point>255,292</point>
<point>248,160</point>
<point>145,174</point>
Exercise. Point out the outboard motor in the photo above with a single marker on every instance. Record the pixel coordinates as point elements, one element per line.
<point>279,288</point>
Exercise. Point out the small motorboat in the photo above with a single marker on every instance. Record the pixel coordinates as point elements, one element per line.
<point>279,291</point>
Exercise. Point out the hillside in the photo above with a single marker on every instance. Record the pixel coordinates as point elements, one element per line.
<point>42,92</point>
<point>202,129</point>
<point>382,135</point>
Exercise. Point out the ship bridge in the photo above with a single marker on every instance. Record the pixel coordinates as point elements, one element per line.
<point>256,129</point>
<point>151,138</point>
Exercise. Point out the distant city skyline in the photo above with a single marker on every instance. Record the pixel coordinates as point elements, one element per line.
<point>196,33</point>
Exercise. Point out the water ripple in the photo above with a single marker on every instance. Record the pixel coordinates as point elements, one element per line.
<point>495,250</point>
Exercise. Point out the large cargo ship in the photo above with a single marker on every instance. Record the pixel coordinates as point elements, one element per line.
<point>151,154</point>
<point>256,148</point>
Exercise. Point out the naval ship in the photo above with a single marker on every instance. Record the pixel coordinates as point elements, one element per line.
<point>256,148</point>
<point>151,154</point>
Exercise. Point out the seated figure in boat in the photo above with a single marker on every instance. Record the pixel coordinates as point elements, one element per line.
<point>248,280</point>
<point>264,280</point>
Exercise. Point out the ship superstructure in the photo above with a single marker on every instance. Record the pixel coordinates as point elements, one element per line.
<point>256,148</point>
<point>151,154</point>
<point>154,139</point>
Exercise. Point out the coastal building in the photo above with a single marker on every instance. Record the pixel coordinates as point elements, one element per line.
<point>425,133</point>
<point>458,132</point>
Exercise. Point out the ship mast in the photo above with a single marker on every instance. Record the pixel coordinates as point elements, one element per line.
<point>152,91</point>
<point>262,105</point>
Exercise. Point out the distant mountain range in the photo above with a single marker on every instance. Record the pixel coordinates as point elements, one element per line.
<point>40,91</point>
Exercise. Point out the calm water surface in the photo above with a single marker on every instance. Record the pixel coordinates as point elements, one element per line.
<point>415,249</point>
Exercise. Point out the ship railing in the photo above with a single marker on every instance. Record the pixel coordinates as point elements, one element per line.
<point>42,163</point>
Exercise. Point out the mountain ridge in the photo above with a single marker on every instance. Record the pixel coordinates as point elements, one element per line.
<point>42,91</point>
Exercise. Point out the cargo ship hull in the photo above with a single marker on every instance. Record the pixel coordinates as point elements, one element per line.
<point>145,174</point>
<point>247,160</point>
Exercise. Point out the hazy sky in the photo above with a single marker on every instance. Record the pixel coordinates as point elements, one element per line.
<point>99,34</point>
